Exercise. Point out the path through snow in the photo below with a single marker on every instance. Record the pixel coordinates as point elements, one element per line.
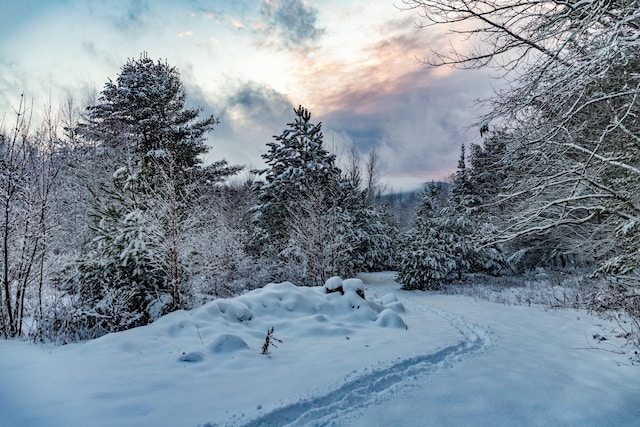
<point>370,387</point>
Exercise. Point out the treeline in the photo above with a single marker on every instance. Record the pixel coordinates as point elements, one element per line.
<point>563,149</point>
<point>110,219</point>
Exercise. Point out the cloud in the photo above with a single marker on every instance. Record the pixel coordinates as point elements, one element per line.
<point>125,16</point>
<point>293,22</point>
<point>89,47</point>
<point>417,128</point>
<point>250,115</point>
<point>134,15</point>
<point>11,84</point>
<point>415,118</point>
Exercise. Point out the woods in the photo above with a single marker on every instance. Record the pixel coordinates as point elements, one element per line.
<point>567,125</point>
<point>110,218</point>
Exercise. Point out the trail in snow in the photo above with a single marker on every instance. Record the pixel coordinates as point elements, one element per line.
<point>322,409</point>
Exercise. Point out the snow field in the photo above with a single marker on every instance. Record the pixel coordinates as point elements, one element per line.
<point>396,358</point>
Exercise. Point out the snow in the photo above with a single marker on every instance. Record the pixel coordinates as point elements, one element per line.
<point>396,358</point>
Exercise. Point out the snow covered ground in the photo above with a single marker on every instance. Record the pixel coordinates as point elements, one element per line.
<point>400,358</point>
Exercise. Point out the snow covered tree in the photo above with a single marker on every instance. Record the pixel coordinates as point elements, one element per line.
<point>487,170</point>
<point>319,237</point>
<point>371,231</point>
<point>444,242</point>
<point>426,259</point>
<point>28,183</point>
<point>462,193</point>
<point>123,280</point>
<point>215,259</point>
<point>143,214</point>
<point>468,215</point>
<point>298,166</point>
<point>144,109</point>
<point>314,217</point>
<point>572,107</point>
<point>143,115</point>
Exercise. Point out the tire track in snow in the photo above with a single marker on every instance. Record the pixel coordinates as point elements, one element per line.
<point>319,410</point>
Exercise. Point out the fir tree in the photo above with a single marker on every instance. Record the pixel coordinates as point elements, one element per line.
<point>425,258</point>
<point>297,166</point>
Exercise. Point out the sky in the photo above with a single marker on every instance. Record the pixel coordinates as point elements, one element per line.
<point>355,64</point>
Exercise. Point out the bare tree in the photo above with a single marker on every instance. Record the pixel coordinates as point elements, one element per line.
<point>319,236</point>
<point>28,178</point>
<point>571,107</point>
<point>571,111</point>
<point>373,177</point>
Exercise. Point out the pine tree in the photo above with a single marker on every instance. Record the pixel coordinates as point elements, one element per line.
<point>142,214</point>
<point>144,109</point>
<point>143,115</point>
<point>297,166</point>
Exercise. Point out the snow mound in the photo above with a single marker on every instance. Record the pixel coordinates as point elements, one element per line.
<point>193,357</point>
<point>228,343</point>
<point>390,319</point>
<point>388,299</point>
<point>286,300</point>
<point>234,311</point>
<point>333,283</point>
<point>353,285</point>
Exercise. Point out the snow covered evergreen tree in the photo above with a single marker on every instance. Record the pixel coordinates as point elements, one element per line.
<point>468,214</point>
<point>297,166</point>
<point>488,171</point>
<point>372,233</point>
<point>145,110</point>
<point>426,258</point>
<point>312,218</point>
<point>143,213</point>
<point>462,191</point>
<point>123,281</point>
<point>143,113</point>
<point>444,242</point>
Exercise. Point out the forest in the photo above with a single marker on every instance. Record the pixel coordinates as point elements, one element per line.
<point>110,218</point>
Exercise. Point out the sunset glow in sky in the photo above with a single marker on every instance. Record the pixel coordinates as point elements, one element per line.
<point>353,63</point>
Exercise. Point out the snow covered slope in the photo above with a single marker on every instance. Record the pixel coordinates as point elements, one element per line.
<point>396,358</point>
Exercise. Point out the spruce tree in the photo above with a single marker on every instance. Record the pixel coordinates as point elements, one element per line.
<point>426,259</point>
<point>298,166</point>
